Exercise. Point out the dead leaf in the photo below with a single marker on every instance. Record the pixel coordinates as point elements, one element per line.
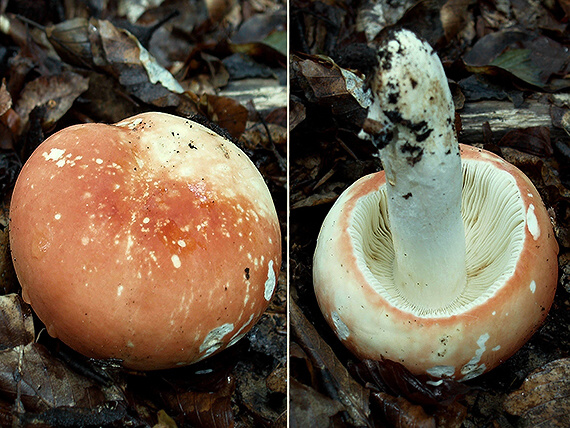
<point>544,397</point>
<point>453,17</point>
<point>277,380</point>
<point>297,112</point>
<point>393,378</point>
<point>16,322</point>
<point>536,60</point>
<point>335,377</point>
<point>311,409</point>
<point>30,374</point>
<point>534,140</point>
<point>225,112</point>
<point>56,93</point>
<point>99,44</point>
<point>329,85</point>
<point>400,413</point>
<point>206,409</point>
<point>5,98</point>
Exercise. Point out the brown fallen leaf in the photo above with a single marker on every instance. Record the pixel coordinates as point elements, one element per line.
<point>97,43</point>
<point>5,98</point>
<point>400,413</point>
<point>309,408</point>
<point>16,322</point>
<point>534,140</point>
<point>334,375</point>
<point>392,377</point>
<point>206,409</point>
<point>539,61</point>
<point>544,397</point>
<point>329,85</point>
<point>225,112</point>
<point>454,17</point>
<point>26,379</point>
<point>56,93</point>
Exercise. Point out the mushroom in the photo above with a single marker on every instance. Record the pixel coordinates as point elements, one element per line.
<point>446,261</point>
<point>154,240</point>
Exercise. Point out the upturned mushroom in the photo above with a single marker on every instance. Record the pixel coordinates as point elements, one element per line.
<point>446,261</point>
<point>154,240</point>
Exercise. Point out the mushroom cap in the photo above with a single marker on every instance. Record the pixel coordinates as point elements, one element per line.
<point>512,271</point>
<point>154,240</point>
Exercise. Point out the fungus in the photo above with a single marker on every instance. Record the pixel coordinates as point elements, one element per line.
<point>445,261</point>
<point>154,240</point>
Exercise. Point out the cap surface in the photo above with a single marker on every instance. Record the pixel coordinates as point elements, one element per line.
<point>154,240</point>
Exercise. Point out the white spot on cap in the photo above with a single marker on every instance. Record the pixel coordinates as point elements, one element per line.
<point>120,290</point>
<point>85,240</point>
<point>57,216</point>
<point>341,328</point>
<point>214,339</point>
<point>99,161</point>
<point>54,154</point>
<point>181,243</point>
<point>146,220</point>
<point>442,371</point>
<point>270,282</point>
<point>241,333</point>
<point>176,261</point>
<point>532,222</point>
<point>532,286</point>
<point>473,368</point>
<point>496,348</point>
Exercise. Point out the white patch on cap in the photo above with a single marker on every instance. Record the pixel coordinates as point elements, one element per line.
<point>270,282</point>
<point>532,222</point>
<point>532,286</point>
<point>496,348</point>
<point>120,290</point>
<point>241,333</point>
<point>98,161</point>
<point>442,371</point>
<point>473,368</point>
<point>54,154</point>
<point>57,216</point>
<point>341,329</point>
<point>214,339</point>
<point>176,261</point>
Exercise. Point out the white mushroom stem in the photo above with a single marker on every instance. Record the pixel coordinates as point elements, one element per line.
<point>420,154</point>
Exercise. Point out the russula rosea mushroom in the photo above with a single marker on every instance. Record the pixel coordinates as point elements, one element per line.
<point>154,240</point>
<point>446,261</point>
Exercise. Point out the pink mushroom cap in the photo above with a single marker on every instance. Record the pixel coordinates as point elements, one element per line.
<point>154,240</point>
